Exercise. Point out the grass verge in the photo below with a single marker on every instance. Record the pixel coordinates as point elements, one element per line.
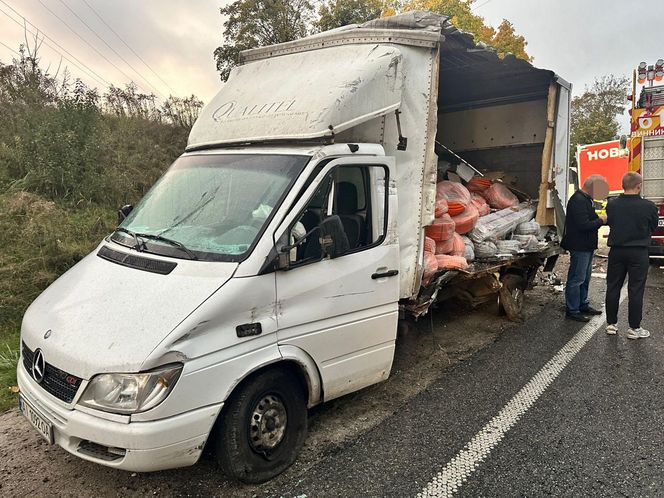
<point>41,240</point>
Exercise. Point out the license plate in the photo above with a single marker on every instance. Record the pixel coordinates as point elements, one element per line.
<point>660,223</point>
<point>37,420</point>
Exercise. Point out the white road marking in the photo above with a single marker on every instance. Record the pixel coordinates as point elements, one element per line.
<point>457,470</point>
<point>598,275</point>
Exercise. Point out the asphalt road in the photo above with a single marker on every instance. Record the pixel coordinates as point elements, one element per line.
<point>595,431</point>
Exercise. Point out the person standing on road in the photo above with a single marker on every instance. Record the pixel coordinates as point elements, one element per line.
<point>632,221</point>
<point>580,238</point>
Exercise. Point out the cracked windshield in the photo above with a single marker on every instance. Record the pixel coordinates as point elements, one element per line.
<point>213,205</point>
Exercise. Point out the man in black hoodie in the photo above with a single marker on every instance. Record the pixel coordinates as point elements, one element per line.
<point>632,220</point>
<point>580,239</point>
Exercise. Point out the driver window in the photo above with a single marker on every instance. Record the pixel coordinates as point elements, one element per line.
<point>358,195</point>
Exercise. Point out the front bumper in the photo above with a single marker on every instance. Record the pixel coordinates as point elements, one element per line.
<point>135,446</point>
<point>656,248</point>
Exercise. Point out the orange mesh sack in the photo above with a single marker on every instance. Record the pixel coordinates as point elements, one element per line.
<point>429,245</point>
<point>500,197</point>
<point>458,246</point>
<point>452,191</point>
<point>481,205</point>
<point>441,229</point>
<point>451,262</point>
<point>467,220</point>
<point>430,267</point>
<point>478,184</point>
<point>445,246</point>
<point>455,208</point>
<point>441,207</point>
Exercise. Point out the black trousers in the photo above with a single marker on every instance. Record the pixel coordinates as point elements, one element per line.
<point>623,261</point>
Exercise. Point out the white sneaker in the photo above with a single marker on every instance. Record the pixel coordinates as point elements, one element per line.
<point>612,329</point>
<point>639,333</point>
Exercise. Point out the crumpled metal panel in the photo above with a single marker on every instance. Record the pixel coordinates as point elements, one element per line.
<point>414,19</point>
<point>328,90</point>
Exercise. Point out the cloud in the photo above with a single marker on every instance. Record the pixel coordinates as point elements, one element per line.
<point>176,39</point>
<point>580,40</point>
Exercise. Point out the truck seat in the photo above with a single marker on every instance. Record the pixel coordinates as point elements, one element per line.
<point>354,224</point>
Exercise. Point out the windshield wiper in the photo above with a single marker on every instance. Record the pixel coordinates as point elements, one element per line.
<point>141,247</point>
<point>172,242</point>
<point>137,243</point>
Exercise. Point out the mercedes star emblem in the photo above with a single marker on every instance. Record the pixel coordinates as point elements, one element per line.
<point>38,366</point>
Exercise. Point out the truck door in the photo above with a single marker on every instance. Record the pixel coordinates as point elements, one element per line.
<point>343,311</point>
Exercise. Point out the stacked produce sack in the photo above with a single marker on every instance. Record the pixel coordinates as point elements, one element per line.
<point>506,232</point>
<point>498,196</point>
<point>480,204</point>
<point>456,214</point>
<point>492,229</point>
<point>465,228</point>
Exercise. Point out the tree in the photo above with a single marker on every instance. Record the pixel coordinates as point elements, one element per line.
<point>182,111</point>
<point>256,23</point>
<point>129,102</point>
<point>504,39</point>
<point>336,13</point>
<point>595,111</point>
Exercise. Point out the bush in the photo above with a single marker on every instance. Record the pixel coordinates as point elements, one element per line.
<point>66,165</point>
<point>40,241</point>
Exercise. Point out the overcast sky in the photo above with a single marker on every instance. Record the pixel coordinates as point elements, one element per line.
<point>578,39</point>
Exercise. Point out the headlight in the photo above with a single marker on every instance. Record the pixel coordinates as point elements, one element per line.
<point>130,393</point>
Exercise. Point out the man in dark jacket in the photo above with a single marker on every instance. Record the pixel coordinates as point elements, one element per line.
<point>632,220</point>
<point>580,239</point>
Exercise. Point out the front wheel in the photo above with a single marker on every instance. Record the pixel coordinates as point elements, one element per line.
<point>263,427</point>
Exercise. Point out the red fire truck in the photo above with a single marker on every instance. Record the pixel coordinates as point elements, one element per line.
<point>605,158</point>
<point>646,144</point>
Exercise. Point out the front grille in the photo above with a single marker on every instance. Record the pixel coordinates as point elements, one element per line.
<point>56,382</point>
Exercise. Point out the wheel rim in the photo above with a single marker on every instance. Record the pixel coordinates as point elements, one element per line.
<point>267,425</point>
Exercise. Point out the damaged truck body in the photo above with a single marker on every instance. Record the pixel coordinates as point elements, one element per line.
<point>266,271</point>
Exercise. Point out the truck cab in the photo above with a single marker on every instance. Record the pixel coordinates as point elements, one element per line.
<point>248,285</point>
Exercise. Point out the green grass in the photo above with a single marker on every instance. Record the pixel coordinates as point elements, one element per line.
<point>69,157</point>
<point>41,240</point>
<point>9,352</point>
<point>68,160</point>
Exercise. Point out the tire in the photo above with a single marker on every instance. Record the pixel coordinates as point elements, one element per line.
<point>511,296</point>
<point>275,402</point>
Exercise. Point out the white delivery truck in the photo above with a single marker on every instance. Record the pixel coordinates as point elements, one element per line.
<point>265,272</point>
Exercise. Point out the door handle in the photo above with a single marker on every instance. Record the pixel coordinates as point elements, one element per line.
<point>388,273</point>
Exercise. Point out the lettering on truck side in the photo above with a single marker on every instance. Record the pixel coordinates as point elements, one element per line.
<point>594,155</point>
<point>231,109</point>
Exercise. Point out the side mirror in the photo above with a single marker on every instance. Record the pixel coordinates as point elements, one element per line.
<point>123,212</point>
<point>623,142</point>
<point>333,239</point>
